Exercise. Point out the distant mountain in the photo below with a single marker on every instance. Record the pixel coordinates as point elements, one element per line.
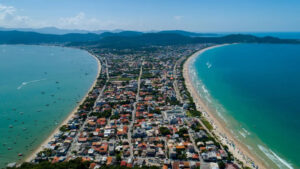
<point>53,30</point>
<point>18,37</point>
<point>163,39</point>
<point>58,31</point>
<point>142,40</point>
<point>128,39</point>
<point>122,33</point>
<point>191,34</point>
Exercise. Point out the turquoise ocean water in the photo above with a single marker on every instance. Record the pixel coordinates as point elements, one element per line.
<point>255,90</point>
<point>39,87</point>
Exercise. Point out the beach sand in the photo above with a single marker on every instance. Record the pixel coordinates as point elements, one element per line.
<point>238,149</point>
<point>41,147</point>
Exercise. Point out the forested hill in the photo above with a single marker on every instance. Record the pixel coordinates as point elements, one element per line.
<point>128,39</point>
<point>18,37</point>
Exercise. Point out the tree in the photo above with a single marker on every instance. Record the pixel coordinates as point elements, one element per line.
<point>164,131</point>
<point>182,131</point>
<point>64,128</point>
<point>118,157</point>
<point>221,165</point>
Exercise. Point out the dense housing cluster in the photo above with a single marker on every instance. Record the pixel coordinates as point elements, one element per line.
<point>139,114</point>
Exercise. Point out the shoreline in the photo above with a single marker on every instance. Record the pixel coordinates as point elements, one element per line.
<point>222,133</point>
<point>32,155</point>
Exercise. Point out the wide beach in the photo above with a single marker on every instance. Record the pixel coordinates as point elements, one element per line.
<point>239,150</point>
<point>31,156</point>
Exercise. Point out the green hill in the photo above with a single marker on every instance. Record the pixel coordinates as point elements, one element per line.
<point>128,39</point>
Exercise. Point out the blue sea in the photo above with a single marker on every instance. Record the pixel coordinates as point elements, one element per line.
<point>255,90</point>
<point>39,87</point>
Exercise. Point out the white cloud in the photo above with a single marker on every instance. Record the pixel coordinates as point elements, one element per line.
<point>9,18</point>
<point>81,21</point>
<point>178,18</point>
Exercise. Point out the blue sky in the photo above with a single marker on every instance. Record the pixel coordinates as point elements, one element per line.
<point>147,15</point>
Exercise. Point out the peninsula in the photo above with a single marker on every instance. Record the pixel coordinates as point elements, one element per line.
<point>143,109</point>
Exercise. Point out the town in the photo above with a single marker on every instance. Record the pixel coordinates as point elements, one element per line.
<point>140,114</point>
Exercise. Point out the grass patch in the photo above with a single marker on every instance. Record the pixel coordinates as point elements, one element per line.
<point>207,124</point>
<point>122,79</point>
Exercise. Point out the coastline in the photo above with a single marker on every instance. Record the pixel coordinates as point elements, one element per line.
<point>32,155</point>
<point>239,150</point>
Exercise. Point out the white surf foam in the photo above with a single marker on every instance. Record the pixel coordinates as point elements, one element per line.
<point>249,147</point>
<point>209,101</point>
<point>246,131</point>
<point>243,134</point>
<point>221,115</point>
<point>26,83</point>
<point>209,65</point>
<point>281,163</point>
<point>204,89</point>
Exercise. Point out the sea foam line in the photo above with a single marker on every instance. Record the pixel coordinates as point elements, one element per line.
<point>204,93</point>
<point>26,83</point>
<point>246,131</point>
<point>281,163</point>
<point>243,134</point>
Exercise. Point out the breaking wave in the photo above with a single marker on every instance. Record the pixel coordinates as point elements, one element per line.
<point>246,131</point>
<point>281,163</point>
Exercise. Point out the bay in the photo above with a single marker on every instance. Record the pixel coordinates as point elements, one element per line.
<point>255,90</point>
<point>39,87</point>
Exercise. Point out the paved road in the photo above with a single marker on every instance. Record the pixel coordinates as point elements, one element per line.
<point>134,111</point>
<point>107,73</point>
<point>175,83</point>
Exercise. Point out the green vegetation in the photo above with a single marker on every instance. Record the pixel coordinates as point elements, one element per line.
<point>207,124</point>
<point>118,157</point>
<point>105,113</point>
<point>64,128</point>
<point>196,127</point>
<point>172,101</point>
<point>182,131</point>
<point>112,104</point>
<point>155,111</point>
<point>147,75</point>
<point>221,165</point>
<point>121,79</point>
<point>194,113</point>
<point>164,131</point>
<point>45,152</point>
<point>181,154</point>
<point>115,117</point>
<point>88,104</point>
<point>135,41</point>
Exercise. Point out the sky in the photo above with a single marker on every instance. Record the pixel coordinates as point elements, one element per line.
<point>149,15</point>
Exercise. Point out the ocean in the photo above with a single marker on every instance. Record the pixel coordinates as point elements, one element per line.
<point>255,90</point>
<point>39,87</point>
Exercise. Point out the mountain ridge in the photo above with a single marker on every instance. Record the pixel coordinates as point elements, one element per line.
<point>129,39</point>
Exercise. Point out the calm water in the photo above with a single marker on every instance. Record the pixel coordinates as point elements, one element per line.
<point>255,89</point>
<point>39,86</point>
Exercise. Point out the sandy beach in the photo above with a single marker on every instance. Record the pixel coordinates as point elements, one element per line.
<point>238,149</point>
<point>31,156</point>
